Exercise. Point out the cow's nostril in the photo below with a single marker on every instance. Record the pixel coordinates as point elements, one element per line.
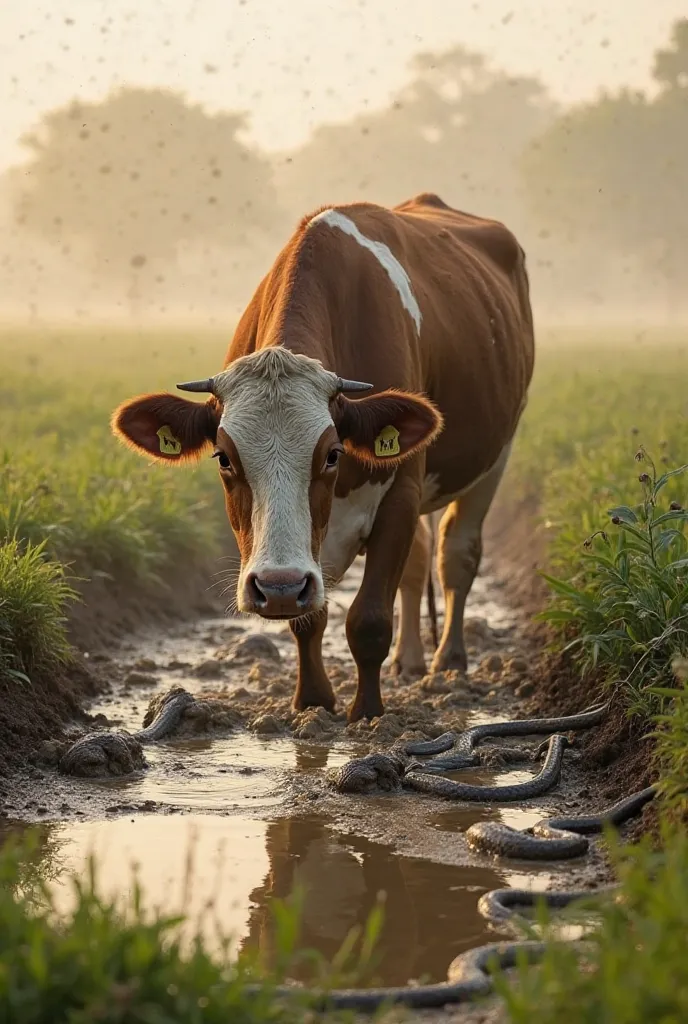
<point>258,596</point>
<point>307,592</point>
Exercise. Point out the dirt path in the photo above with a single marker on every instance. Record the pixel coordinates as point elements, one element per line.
<point>250,784</point>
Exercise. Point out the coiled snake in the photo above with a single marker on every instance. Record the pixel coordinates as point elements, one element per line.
<point>120,753</point>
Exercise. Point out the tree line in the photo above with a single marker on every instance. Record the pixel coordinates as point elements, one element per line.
<point>146,190</point>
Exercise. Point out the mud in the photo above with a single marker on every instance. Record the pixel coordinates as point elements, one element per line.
<point>245,786</point>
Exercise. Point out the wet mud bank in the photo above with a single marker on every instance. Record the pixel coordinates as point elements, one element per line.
<point>242,788</point>
<point>106,610</point>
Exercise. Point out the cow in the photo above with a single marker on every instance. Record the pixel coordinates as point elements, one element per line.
<point>377,376</point>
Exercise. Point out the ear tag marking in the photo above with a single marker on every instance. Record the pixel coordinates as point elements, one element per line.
<point>169,444</point>
<point>387,442</point>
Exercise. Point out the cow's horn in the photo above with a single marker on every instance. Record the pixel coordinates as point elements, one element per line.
<point>352,385</point>
<point>198,385</point>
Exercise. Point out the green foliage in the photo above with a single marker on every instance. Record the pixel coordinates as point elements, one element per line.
<point>67,483</point>
<point>633,968</point>
<point>115,963</point>
<point>33,597</point>
<point>628,607</point>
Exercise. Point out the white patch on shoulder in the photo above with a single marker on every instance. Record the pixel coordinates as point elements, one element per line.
<point>383,255</point>
<point>351,521</point>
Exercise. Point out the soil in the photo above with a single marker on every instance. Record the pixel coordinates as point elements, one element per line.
<point>135,647</point>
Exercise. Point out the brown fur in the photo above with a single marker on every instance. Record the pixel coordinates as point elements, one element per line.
<point>469,367</point>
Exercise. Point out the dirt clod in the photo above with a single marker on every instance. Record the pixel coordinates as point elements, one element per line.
<point>266,725</point>
<point>255,647</point>
<point>136,678</point>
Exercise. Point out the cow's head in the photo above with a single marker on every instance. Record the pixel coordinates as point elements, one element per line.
<point>279,423</point>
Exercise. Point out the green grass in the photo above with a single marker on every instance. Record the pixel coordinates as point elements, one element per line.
<point>601,454</point>
<point>115,963</point>
<point>634,969</point>
<point>66,482</point>
<point>73,502</point>
<point>33,599</point>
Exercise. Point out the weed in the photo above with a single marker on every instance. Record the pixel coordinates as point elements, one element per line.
<point>33,599</point>
<point>628,605</point>
<point>633,968</point>
<point>113,962</point>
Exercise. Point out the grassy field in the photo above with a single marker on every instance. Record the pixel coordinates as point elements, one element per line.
<point>68,488</point>
<point>599,454</point>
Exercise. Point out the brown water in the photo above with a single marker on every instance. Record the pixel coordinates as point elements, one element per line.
<point>238,864</point>
<point>231,822</point>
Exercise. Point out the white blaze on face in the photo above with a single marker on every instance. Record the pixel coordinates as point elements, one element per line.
<point>276,407</point>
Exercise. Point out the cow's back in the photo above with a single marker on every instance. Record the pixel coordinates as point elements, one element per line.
<point>476,340</point>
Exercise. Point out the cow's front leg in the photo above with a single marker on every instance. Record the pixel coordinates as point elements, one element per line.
<point>313,688</point>
<point>369,623</point>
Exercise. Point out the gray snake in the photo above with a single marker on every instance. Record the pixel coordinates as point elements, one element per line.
<point>389,772</point>
<point>553,838</point>
<point>465,754</point>
<point>467,978</point>
<point>394,768</point>
<point>120,753</point>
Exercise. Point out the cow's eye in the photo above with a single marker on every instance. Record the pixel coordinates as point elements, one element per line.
<point>333,456</point>
<point>223,459</point>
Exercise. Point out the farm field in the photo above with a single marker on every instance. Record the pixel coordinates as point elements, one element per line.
<point>83,520</point>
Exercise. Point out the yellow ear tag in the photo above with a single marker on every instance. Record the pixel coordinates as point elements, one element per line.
<point>169,444</point>
<point>387,442</point>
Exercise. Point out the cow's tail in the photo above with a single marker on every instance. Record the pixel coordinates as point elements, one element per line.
<point>432,607</point>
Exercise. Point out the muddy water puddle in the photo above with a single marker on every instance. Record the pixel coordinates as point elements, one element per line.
<point>221,824</point>
<point>225,871</point>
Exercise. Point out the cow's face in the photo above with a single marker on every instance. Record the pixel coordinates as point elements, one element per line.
<point>279,426</point>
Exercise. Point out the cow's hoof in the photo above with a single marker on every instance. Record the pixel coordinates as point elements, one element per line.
<point>446,661</point>
<point>364,709</point>
<point>314,699</point>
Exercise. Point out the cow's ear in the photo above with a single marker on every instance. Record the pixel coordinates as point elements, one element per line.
<point>385,429</point>
<point>166,427</point>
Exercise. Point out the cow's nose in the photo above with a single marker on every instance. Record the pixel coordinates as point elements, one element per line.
<point>281,593</point>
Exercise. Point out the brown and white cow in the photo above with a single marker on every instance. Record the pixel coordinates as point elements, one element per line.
<point>429,307</point>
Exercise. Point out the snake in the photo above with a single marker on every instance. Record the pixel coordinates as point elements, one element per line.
<point>500,905</point>
<point>120,753</point>
<point>386,770</point>
<point>553,838</point>
<point>465,754</point>
<point>468,977</point>
<point>391,773</point>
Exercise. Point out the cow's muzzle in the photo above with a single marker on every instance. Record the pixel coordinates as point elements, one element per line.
<point>280,594</point>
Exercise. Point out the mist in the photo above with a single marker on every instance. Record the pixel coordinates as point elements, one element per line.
<point>146,206</point>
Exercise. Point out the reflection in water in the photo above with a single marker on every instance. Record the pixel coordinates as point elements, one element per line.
<point>240,864</point>
<point>430,911</point>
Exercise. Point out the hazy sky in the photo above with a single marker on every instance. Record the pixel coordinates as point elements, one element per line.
<point>295,63</point>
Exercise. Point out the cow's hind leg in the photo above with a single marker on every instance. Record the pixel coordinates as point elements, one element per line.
<point>313,688</point>
<point>458,556</point>
<point>409,657</point>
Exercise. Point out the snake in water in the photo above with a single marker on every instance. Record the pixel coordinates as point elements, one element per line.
<point>467,978</point>
<point>394,768</point>
<point>120,753</point>
<point>553,838</point>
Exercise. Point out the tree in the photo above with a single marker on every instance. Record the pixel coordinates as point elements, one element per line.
<point>671,65</point>
<point>609,177</point>
<point>458,129</point>
<point>131,180</point>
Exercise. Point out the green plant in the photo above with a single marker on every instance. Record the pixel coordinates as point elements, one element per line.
<point>628,607</point>
<point>33,599</point>
<point>115,963</point>
<point>633,968</point>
